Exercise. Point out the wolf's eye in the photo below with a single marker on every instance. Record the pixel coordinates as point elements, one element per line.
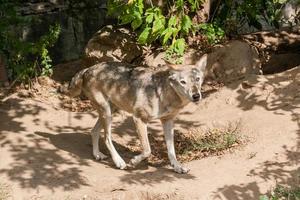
<point>183,82</point>
<point>197,79</point>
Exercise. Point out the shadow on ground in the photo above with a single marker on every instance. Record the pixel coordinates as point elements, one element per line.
<point>279,94</point>
<point>34,162</point>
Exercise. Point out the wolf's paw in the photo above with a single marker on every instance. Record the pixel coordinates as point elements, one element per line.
<point>135,160</point>
<point>99,156</point>
<point>120,163</point>
<point>181,169</point>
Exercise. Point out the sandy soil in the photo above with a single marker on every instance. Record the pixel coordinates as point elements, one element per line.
<point>46,151</point>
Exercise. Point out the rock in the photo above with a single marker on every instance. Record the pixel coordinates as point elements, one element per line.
<point>233,61</point>
<point>65,71</point>
<point>154,59</point>
<point>45,81</point>
<point>290,12</point>
<point>279,50</point>
<point>157,58</point>
<point>112,44</point>
<point>282,40</point>
<point>203,13</point>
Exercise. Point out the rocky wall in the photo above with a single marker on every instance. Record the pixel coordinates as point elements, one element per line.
<point>77,26</point>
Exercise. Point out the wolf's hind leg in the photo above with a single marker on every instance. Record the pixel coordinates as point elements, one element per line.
<point>95,141</point>
<point>141,128</point>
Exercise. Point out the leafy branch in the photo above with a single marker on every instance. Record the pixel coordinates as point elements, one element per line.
<point>170,27</point>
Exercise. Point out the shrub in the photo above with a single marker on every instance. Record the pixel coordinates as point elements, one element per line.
<point>170,28</point>
<point>25,59</point>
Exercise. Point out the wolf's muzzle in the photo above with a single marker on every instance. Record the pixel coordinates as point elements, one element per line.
<point>196,97</point>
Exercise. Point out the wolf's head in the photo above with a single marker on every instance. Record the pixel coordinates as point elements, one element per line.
<point>186,80</point>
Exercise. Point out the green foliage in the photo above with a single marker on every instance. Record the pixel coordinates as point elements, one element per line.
<point>235,14</point>
<point>212,31</point>
<point>25,60</point>
<point>152,24</point>
<point>281,192</point>
<point>172,24</point>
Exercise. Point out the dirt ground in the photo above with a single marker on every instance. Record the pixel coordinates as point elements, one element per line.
<point>46,151</point>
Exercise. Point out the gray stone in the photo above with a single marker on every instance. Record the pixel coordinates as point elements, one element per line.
<point>233,61</point>
<point>112,44</point>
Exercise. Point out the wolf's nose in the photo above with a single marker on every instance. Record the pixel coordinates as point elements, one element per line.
<point>196,97</point>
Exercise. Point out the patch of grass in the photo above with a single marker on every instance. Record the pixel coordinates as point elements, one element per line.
<point>197,143</point>
<point>283,193</point>
<point>159,196</point>
<point>4,192</point>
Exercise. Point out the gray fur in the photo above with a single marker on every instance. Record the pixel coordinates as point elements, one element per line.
<point>143,92</point>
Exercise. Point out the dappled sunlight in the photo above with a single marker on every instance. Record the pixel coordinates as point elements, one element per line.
<point>151,178</point>
<point>279,94</point>
<point>282,173</point>
<point>35,163</point>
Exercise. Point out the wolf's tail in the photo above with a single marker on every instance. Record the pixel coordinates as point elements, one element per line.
<point>75,85</point>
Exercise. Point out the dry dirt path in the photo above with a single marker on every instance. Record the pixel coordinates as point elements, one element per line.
<point>45,153</point>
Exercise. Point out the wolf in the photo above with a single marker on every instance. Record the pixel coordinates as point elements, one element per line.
<point>145,93</point>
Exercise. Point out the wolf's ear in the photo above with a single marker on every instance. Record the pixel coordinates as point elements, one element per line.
<point>172,66</point>
<point>201,64</point>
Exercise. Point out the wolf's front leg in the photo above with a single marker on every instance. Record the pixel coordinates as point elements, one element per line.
<point>168,126</point>
<point>141,129</point>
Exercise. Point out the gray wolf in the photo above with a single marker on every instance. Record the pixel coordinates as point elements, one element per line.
<point>145,93</point>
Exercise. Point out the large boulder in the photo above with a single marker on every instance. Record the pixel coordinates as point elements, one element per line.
<point>233,61</point>
<point>290,13</point>
<point>112,44</point>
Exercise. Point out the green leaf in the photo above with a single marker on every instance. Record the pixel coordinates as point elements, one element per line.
<point>149,18</point>
<point>186,24</point>
<point>179,4</point>
<point>167,34</point>
<point>144,35</point>
<point>179,46</point>
<point>140,5</point>
<point>172,21</point>
<point>158,24</point>
<point>194,4</point>
<point>126,19</point>
<point>137,22</point>
<point>150,12</point>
